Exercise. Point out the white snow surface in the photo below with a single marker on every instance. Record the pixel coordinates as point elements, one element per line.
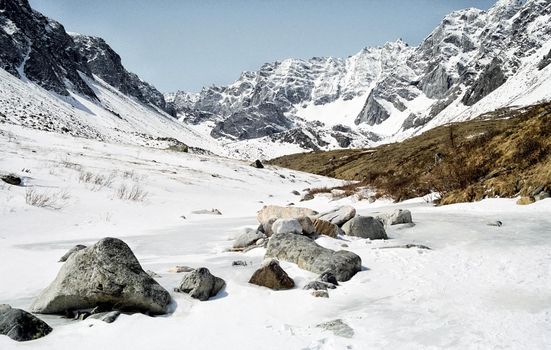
<point>480,287</point>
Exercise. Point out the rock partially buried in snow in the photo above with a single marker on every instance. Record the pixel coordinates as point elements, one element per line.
<point>338,216</point>
<point>399,216</point>
<point>180,269</point>
<point>201,284</point>
<point>278,212</point>
<point>106,273</point>
<point>207,212</point>
<point>320,294</point>
<point>71,252</point>
<point>318,285</point>
<point>272,276</point>
<point>107,317</point>
<point>326,228</point>
<point>338,327</point>
<point>20,325</point>
<point>247,238</point>
<point>365,227</point>
<point>287,226</point>
<point>310,256</point>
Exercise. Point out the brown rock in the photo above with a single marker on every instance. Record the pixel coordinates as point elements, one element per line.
<point>326,228</point>
<point>525,200</point>
<point>278,212</point>
<point>272,276</point>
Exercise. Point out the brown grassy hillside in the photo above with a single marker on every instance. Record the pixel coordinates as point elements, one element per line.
<point>504,153</point>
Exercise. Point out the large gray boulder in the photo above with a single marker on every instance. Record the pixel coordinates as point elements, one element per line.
<point>106,274</point>
<point>20,325</point>
<point>278,212</point>
<point>287,226</point>
<point>272,276</point>
<point>338,216</point>
<point>310,256</point>
<point>201,284</point>
<point>398,216</point>
<point>247,238</point>
<point>365,227</point>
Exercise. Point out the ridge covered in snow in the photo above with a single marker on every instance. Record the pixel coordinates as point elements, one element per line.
<point>474,61</point>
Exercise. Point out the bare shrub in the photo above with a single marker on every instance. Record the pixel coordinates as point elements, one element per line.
<point>135,193</point>
<point>46,199</point>
<point>98,181</point>
<point>70,165</point>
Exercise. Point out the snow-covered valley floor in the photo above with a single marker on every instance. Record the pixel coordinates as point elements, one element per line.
<point>480,287</point>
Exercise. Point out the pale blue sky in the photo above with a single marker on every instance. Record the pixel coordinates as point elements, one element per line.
<point>184,45</point>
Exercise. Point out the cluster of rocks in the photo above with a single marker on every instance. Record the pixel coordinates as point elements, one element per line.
<point>105,279</point>
<point>100,282</point>
<point>289,233</point>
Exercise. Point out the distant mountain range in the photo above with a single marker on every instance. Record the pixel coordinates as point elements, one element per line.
<point>474,61</point>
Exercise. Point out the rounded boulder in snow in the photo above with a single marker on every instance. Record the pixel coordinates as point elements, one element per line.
<point>106,274</point>
<point>365,227</point>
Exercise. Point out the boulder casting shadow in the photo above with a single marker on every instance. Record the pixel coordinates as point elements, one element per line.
<point>106,274</point>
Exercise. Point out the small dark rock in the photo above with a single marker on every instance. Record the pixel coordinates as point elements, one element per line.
<point>257,164</point>
<point>328,277</point>
<point>12,180</point>
<point>239,263</point>
<point>20,325</point>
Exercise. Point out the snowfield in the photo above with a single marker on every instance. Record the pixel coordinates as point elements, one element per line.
<point>479,287</point>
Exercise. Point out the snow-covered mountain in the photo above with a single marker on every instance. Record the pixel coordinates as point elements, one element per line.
<point>473,62</point>
<point>77,85</point>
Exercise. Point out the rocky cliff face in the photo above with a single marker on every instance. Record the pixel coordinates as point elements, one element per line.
<point>106,64</point>
<point>467,57</point>
<point>34,47</point>
<point>39,49</point>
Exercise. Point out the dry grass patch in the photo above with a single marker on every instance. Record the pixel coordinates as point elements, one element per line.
<point>485,157</point>
<point>46,199</point>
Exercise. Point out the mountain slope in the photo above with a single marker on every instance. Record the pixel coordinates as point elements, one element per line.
<point>500,154</point>
<point>77,85</point>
